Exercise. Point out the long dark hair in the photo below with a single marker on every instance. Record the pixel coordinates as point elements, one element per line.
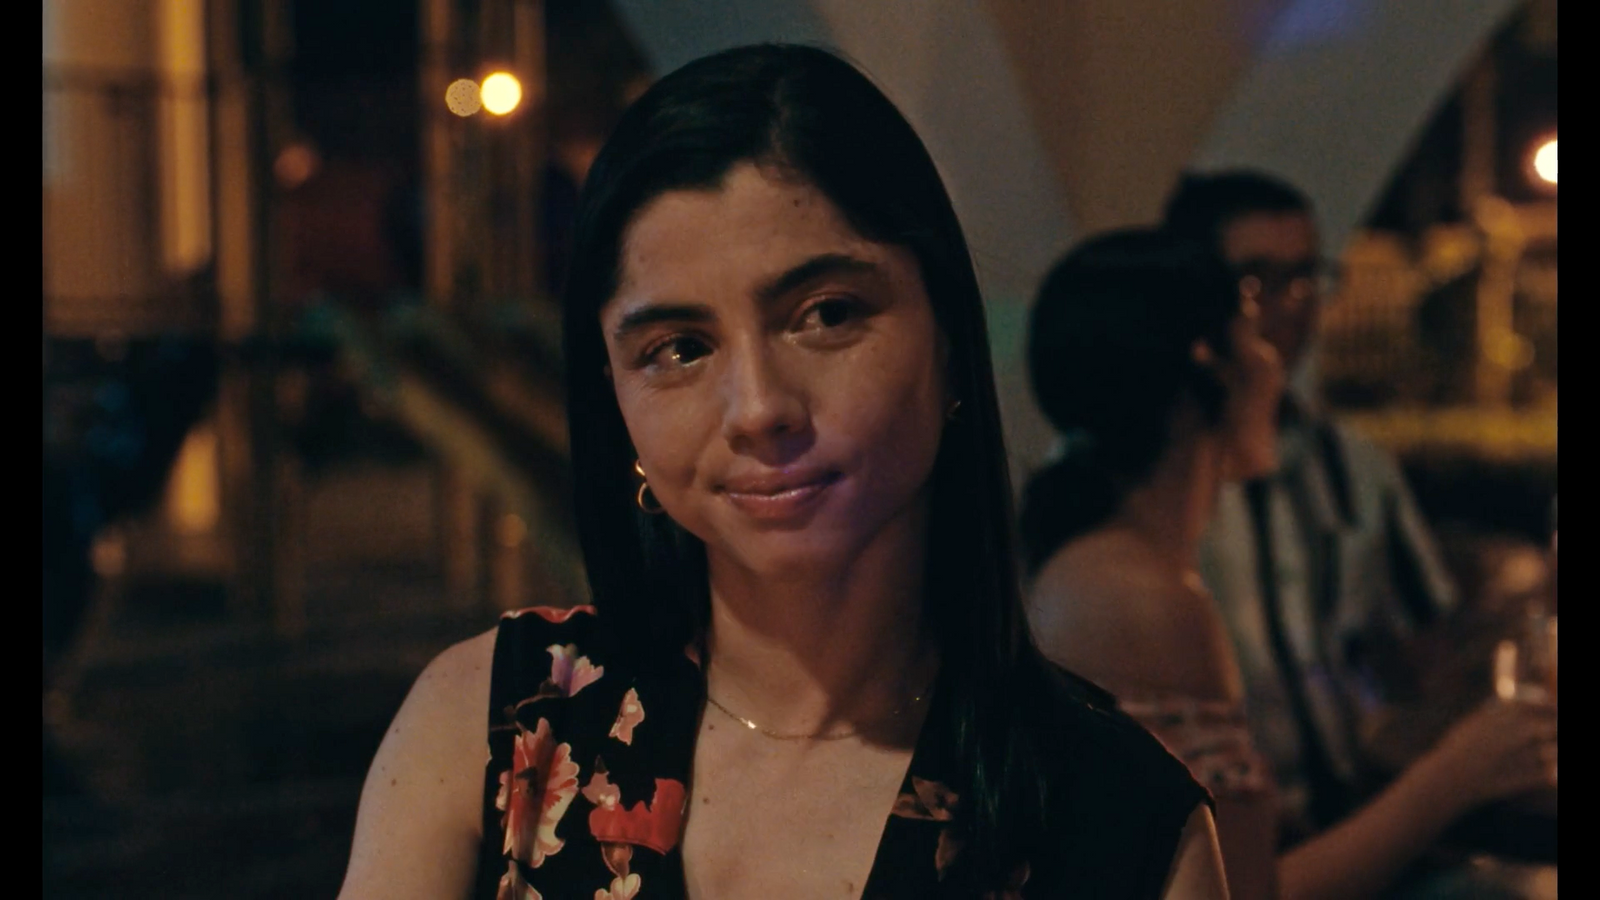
<point>1110,355</point>
<point>815,117</point>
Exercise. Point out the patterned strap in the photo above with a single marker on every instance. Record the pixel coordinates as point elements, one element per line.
<point>1210,737</point>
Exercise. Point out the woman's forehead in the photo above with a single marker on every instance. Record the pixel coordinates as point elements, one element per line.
<point>736,237</point>
<point>750,208</point>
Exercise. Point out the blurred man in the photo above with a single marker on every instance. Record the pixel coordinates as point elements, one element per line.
<point>1324,568</point>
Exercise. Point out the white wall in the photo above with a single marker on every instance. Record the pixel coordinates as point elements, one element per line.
<point>1340,92</point>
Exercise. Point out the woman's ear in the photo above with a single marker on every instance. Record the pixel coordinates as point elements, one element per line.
<point>607,369</point>
<point>1202,354</point>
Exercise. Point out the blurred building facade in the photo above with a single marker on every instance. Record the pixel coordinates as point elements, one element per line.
<point>303,422</point>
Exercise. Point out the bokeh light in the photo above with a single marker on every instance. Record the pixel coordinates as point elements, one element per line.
<point>295,165</point>
<point>511,530</point>
<point>501,93</point>
<point>1544,161</point>
<point>462,97</point>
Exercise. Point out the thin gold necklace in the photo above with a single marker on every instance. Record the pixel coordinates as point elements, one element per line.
<point>829,736</point>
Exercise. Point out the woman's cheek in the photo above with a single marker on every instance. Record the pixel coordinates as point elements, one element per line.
<point>660,430</point>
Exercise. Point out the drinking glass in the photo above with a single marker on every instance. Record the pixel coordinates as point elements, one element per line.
<point>1525,665</point>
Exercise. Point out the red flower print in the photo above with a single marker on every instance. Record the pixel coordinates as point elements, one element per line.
<point>550,613</point>
<point>569,672</point>
<point>535,794</point>
<point>617,857</point>
<point>929,800</point>
<point>1013,890</point>
<point>949,848</point>
<point>512,887</point>
<point>657,825</point>
<point>600,791</point>
<point>932,801</point>
<point>623,887</point>
<point>629,715</point>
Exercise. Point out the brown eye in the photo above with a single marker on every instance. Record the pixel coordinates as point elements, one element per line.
<point>679,351</point>
<point>830,313</point>
<point>686,350</point>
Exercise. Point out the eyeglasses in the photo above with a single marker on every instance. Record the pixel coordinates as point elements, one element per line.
<point>1294,284</point>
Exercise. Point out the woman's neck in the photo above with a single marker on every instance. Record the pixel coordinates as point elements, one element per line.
<point>1171,509</point>
<point>836,647</point>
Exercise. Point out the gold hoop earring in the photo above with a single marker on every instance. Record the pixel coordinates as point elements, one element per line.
<point>644,491</point>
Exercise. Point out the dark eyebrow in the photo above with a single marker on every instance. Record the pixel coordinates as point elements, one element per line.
<point>813,268</point>
<point>649,315</point>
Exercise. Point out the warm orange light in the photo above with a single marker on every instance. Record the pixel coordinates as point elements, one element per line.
<point>194,491</point>
<point>295,165</point>
<point>462,97</point>
<point>511,530</point>
<point>1544,161</point>
<point>501,93</point>
<point>109,553</point>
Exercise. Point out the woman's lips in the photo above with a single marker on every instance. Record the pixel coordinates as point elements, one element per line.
<point>782,498</point>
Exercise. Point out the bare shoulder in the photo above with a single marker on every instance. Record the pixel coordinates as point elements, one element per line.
<point>1116,615</point>
<point>420,821</point>
<point>447,708</point>
<point>461,672</point>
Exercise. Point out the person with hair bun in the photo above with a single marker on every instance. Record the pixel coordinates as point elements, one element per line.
<point>1145,354</point>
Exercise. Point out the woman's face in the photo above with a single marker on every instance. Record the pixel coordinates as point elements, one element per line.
<point>1253,376</point>
<point>781,377</point>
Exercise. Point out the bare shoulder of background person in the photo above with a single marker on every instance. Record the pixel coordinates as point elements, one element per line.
<point>1107,612</point>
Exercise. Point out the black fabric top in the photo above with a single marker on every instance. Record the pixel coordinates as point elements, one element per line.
<point>590,759</point>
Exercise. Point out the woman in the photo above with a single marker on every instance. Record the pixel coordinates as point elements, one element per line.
<point>1145,353</point>
<point>807,671</point>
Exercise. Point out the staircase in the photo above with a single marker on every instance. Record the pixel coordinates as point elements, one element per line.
<point>215,757</point>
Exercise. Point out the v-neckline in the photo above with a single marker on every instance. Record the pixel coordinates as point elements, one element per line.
<point>903,828</point>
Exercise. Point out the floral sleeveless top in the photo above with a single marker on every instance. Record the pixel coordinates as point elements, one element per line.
<point>589,761</point>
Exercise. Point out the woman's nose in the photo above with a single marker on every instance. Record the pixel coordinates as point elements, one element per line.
<point>763,403</point>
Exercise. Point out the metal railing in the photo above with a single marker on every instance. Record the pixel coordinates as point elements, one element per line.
<point>128,250</point>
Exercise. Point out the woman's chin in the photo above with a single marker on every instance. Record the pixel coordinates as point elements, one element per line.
<point>790,555</point>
